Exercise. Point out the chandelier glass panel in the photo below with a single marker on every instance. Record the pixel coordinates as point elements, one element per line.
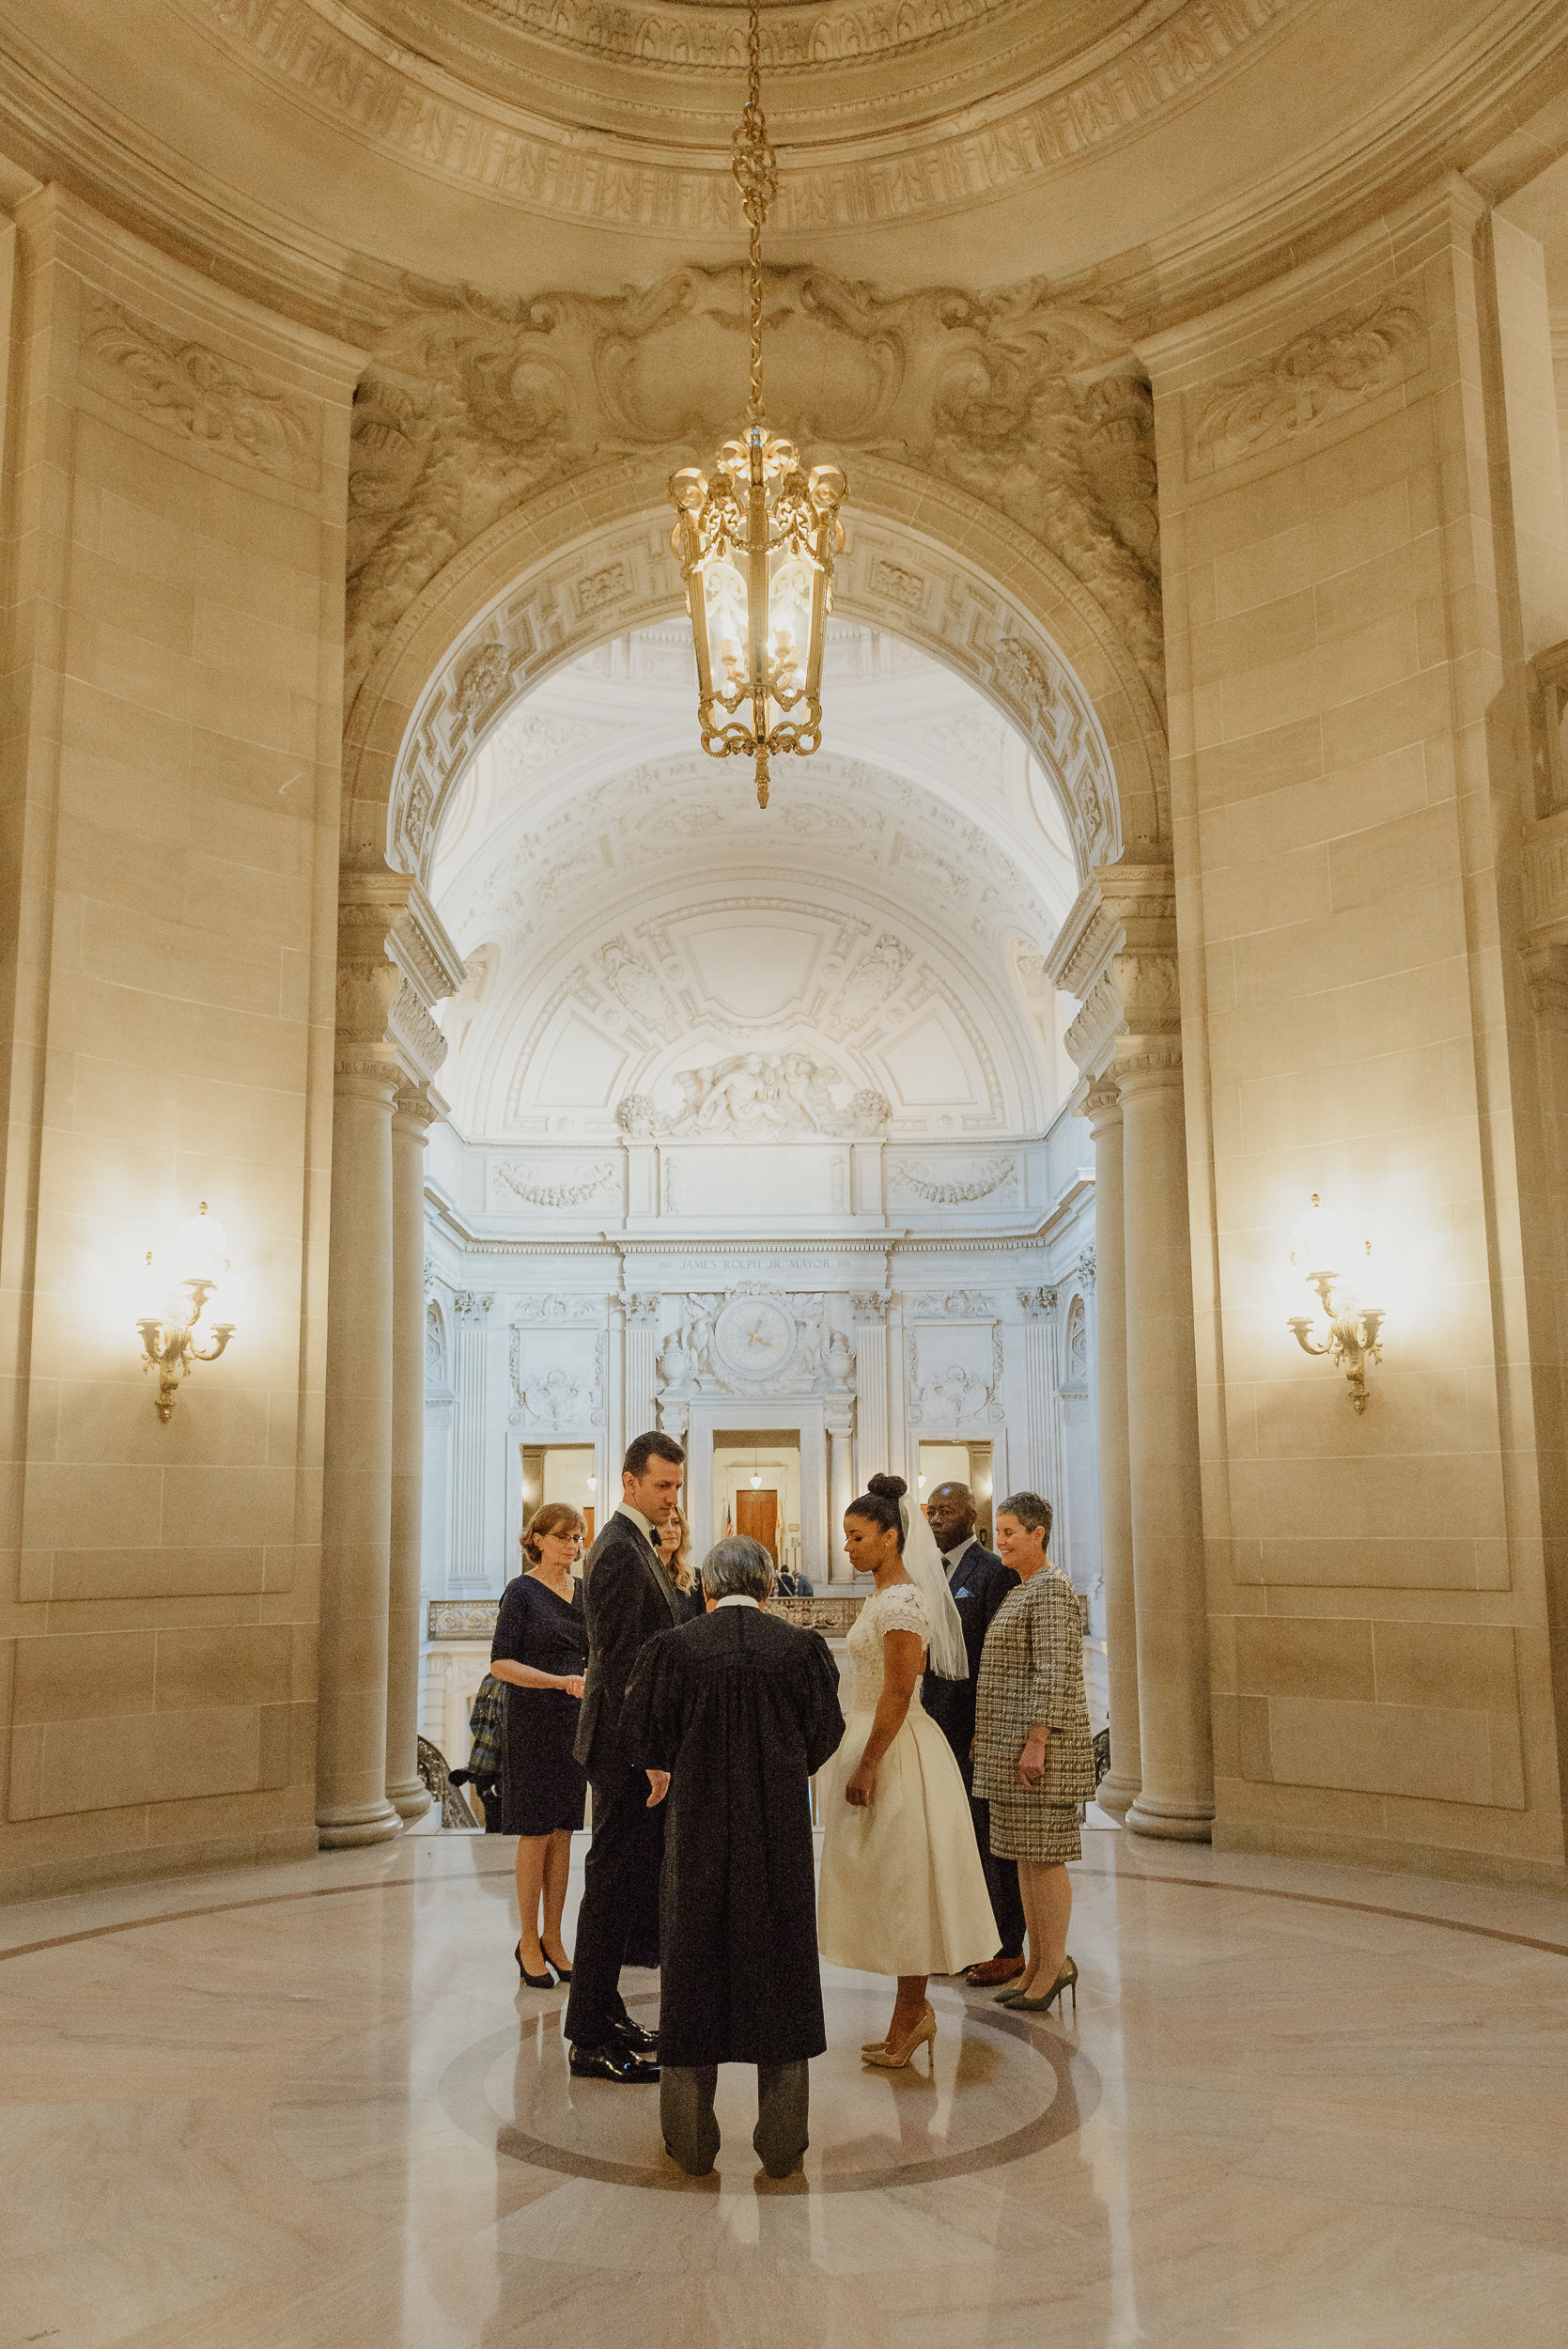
<point>756,543</point>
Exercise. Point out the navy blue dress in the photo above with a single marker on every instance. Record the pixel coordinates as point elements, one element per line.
<point>543,1784</point>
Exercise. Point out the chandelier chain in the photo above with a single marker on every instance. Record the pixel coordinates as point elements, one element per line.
<point>757,172</point>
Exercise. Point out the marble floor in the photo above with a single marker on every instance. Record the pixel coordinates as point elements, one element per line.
<point>306,2109</point>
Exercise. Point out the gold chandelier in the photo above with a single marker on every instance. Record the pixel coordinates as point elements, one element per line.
<point>756,544</point>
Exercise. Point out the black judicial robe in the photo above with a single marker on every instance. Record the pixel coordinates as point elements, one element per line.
<point>741,1709</point>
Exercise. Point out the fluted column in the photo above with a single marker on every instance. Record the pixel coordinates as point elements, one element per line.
<point>641,1345</point>
<point>470,1347</point>
<point>1177,1796</point>
<point>1042,1448</point>
<point>871,1383</point>
<point>841,1488</point>
<point>1120,1787</point>
<point>415,1114</point>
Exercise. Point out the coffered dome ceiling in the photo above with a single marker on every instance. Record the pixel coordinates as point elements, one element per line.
<point>629,914</point>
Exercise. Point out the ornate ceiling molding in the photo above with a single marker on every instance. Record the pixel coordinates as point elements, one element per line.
<point>547,150</point>
<point>475,403</point>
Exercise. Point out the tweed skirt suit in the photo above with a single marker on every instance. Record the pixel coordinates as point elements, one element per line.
<point>1032,1672</point>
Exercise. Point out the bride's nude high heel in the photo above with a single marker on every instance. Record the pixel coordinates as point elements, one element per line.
<point>896,2056</point>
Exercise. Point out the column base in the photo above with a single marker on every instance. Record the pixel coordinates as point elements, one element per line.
<point>1148,1816</point>
<point>1117,1795</point>
<point>356,1823</point>
<point>411,1799</point>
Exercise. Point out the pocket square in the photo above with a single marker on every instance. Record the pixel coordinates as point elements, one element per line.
<point>965,1592</point>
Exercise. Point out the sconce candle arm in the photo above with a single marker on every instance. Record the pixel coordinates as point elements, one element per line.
<point>169,1347</point>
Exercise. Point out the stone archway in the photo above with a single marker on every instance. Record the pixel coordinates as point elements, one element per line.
<point>1055,623</point>
<point>926,561</point>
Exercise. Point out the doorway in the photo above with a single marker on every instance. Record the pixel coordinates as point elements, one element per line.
<point>756,1513</point>
<point>560,1472</point>
<point>757,1490</point>
<point>960,1464</point>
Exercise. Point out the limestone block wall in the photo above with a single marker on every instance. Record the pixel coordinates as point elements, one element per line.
<point>176,469</point>
<point>1351,791</point>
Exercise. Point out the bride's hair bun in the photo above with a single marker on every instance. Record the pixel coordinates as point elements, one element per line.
<point>887,1487</point>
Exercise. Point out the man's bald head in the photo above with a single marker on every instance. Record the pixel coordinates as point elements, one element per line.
<point>951,1514</point>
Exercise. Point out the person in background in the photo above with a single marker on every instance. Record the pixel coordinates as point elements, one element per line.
<point>629,1598</point>
<point>674,1537</point>
<point>979,1582</point>
<point>539,1652</point>
<point>1033,1756</point>
<point>731,1715</point>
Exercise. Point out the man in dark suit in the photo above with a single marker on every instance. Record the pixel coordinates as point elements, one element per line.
<point>629,1598</point>
<point>979,1582</point>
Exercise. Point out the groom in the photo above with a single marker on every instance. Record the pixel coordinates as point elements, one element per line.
<point>628,1598</point>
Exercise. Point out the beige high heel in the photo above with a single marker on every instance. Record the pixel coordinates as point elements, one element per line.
<point>891,2056</point>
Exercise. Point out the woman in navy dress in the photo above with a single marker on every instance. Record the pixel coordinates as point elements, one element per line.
<point>540,1652</point>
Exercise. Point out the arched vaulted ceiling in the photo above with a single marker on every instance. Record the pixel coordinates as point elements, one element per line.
<point>628,913</point>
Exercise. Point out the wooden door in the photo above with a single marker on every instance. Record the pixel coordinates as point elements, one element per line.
<point>758,1514</point>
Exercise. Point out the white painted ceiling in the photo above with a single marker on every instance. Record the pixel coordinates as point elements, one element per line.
<point>628,912</point>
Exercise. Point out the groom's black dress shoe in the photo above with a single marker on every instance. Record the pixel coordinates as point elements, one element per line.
<point>611,2064</point>
<point>634,2037</point>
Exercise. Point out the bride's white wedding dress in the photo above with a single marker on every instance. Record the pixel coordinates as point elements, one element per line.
<point>902,1889</point>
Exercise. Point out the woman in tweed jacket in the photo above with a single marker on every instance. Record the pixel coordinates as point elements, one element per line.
<point>1033,1758</point>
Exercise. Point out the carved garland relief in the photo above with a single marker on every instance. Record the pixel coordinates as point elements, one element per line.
<point>194,392</point>
<point>1317,376</point>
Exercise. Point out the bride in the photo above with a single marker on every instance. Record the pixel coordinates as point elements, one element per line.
<point>902,1891</point>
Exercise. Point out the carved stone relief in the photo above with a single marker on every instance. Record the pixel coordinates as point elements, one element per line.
<point>1320,374</point>
<point>937,1183</point>
<point>476,402</point>
<point>523,152</point>
<point>952,1306</point>
<point>754,1339</point>
<point>535,1187</point>
<point>561,1393</point>
<point>955,1377</point>
<point>548,1310</point>
<point>755,1095</point>
<point>197,393</point>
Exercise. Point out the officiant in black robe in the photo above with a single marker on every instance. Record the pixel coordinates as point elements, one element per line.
<point>731,1715</point>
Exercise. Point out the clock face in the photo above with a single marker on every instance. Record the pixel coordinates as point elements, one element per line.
<point>753,1336</point>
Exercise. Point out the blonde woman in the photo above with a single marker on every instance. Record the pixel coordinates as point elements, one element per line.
<point>540,1652</point>
<point>674,1547</point>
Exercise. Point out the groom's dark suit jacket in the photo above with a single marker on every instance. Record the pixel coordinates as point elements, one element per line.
<point>980,1584</point>
<point>627,1599</point>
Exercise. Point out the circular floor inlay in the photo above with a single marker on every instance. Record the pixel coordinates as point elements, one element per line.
<point>998,2089</point>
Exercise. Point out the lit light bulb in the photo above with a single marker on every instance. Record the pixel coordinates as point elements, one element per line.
<point>756,1482</point>
<point>1321,1247</point>
<point>201,1251</point>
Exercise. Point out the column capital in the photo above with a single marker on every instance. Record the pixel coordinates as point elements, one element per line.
<point>1149,1064</point>
<point>869,1305</point>
<point>418,1107</point>
<point>1038,1303</point>
<point>1102,1104</point>
<point>395,963</point>
<point>1116,952</point>
<point>640,1305</point>
<point>473,1304</point>
<point>839,1418</point>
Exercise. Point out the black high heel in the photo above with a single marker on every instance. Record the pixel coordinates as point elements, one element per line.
<point>535,1982</point>
<point>562,1973</point>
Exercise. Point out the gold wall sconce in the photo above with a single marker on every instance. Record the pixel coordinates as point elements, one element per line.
<point>1349,1331</point>
<point>168,1343</point>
